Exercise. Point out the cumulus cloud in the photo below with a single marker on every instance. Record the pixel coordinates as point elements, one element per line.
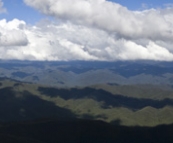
<point>11,33</point>
<point>112,17</point>
<point>66,41</point>
<point>89,30</point>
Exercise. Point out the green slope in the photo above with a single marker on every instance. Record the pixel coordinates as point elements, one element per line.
<point>23,101</point>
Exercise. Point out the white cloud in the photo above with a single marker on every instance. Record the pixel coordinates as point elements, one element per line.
<point>2,9</point>
<point>89,30</point>
<point>66,41</point>
<point>112,17</point>
<point>11,33</point>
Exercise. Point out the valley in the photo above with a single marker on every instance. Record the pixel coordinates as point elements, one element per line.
<point>79,98</point>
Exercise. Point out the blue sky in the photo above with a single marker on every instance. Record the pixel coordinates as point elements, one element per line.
<point>86,30</point>
<point>18,9</point>
<point>137,4</point>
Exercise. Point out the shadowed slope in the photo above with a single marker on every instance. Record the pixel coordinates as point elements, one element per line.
<point>16,106</point>
<point>106,97</point>
<point>84,131</point>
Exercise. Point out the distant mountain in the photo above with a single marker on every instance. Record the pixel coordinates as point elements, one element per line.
<point>86,102</point>
<point>86,73</point>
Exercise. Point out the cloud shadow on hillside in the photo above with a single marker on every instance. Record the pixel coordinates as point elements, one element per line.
<point>106,97</point>
<point>16,106</point>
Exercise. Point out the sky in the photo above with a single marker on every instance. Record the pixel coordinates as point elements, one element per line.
<point>99,30</point>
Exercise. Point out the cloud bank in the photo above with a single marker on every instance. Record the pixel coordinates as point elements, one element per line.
<point>109,16</point>
<point>89,30</point>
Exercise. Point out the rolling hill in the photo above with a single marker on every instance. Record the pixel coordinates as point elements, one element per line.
<point>85,102</point>
<point>26,101</point>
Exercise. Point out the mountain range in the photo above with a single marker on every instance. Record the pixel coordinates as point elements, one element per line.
<point>81,73</point>
<point>85,102</point>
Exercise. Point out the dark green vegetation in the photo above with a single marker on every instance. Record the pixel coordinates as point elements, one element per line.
<point>82,131</point>
<point>16,106</point>
<point>44,102</point>
<point>26,101</point>
<point>107,98</point>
